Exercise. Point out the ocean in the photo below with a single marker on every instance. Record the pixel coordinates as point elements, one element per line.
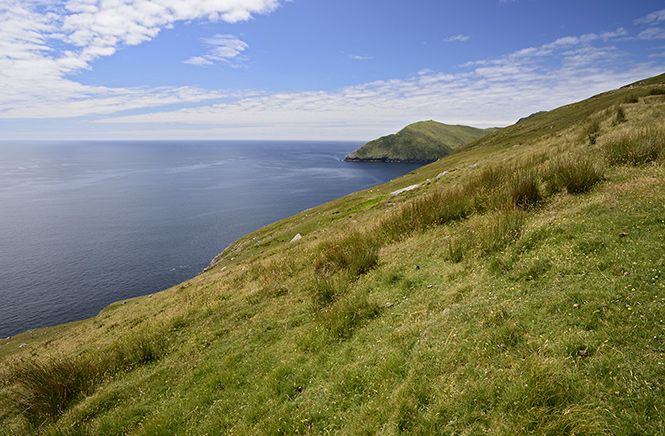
<point>84,224</point>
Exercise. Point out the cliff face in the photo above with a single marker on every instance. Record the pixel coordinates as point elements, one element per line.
<point>421,142</point>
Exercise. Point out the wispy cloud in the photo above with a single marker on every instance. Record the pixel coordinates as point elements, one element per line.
<point>486,92</point>
<point>654,17</point>
<point>653,20</point>
<point>457,38</point>
<point>652,33</point>
<point>38,81</point>
<point>361,58</point>
<point>222,48</point>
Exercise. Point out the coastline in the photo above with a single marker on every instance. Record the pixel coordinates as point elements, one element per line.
<point>388,160</point>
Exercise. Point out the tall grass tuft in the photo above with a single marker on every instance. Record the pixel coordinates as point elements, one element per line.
<point>42,391</point>
<point>636,148</point>
<point>356,253</point>
<point>328,289</point>
<point>620,116</point>
<point>592,131</point>
<point>344,316</point>
<point>576,175</point>
<point>136,351</point>
<point>501,229</point>
<point>523,190</point>
<point>657,91</point>
<point>46,389</point>
<point>631,98</point>
<point>438,208</point>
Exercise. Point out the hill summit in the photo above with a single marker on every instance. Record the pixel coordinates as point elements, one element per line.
<point>421,142</point>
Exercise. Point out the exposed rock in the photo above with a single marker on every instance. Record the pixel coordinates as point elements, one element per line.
<point>399,191</point>
<point>296,237</point>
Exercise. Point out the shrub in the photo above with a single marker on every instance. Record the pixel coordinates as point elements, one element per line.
<point>576,175</point>
<point>636,148</point>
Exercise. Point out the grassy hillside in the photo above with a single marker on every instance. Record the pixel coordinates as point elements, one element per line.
<point>519,289</point>
<point>424,141</point>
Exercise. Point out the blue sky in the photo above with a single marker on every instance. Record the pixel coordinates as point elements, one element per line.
<point>308,69</point>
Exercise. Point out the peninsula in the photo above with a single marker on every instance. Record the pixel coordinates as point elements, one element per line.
<point>422,142</point>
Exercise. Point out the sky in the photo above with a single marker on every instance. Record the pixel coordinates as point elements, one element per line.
<point>308,69</point>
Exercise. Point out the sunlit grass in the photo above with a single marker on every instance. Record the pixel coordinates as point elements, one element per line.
<point>522,293</point>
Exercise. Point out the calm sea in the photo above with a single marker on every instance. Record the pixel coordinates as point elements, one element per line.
<point>84,224</point>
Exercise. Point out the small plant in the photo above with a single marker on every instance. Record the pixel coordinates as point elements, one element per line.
<point>492,177</point>
<point>592,138</point>
<point>327,290</point>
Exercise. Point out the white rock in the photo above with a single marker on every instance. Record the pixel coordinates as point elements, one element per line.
<point>399,191</point>
<point>296,237</point>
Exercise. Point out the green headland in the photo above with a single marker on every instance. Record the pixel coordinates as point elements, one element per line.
<point>421,142</point>
<point>517,287</point>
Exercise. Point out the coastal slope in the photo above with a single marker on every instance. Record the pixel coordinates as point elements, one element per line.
<point>513,287</point>
<point>421,142</point>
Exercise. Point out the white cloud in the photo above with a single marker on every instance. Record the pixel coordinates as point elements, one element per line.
<point>361,58</point>
<point>652,33</point>
<point>457,38</point>
<point>42,42</point>
<point>654,17</point>
<point>222,48</point>
<point>197,60</point>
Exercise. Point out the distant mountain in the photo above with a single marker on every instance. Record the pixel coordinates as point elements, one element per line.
<point>421,142</point>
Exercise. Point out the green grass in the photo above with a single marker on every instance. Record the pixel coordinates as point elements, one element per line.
<point>522,293</point>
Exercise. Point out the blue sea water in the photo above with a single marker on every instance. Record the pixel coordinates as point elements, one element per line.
<point>84,224</point>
